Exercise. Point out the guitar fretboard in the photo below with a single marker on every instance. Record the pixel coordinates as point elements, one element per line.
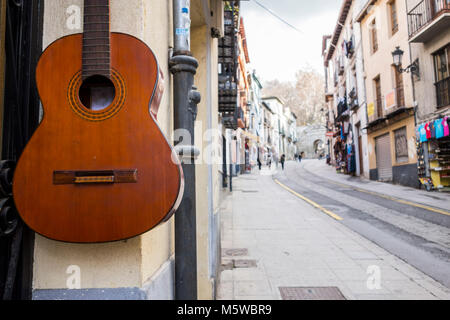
<point>96,39</point>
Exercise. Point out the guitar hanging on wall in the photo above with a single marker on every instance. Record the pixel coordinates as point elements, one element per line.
<point>98,168</point>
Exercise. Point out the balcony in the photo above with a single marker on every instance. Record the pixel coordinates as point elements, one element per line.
<point>230,121</point>
<point>234,120</point>
<point>353,99</point>
<point>443,93</point>
<point>343,111</point>
<point>228,97</point>
<point>427,19</point>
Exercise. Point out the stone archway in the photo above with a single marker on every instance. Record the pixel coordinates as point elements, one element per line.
<point>319,147</point>
<point>310,140</point>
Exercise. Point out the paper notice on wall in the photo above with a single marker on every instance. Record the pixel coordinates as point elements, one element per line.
<point>391,100</point>
<point>371,109</point>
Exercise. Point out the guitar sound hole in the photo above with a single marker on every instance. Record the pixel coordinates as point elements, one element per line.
<point>97,93</point>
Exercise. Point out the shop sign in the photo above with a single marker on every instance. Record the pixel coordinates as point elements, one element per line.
<point>371,109</point>
<point>391,100</point>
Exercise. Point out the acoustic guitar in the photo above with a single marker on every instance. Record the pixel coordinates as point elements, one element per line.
<point>98,168</point>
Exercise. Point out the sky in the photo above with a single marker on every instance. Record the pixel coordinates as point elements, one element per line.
<point>276,50</point>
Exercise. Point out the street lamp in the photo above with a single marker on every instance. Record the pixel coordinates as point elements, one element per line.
<point>397,55</point>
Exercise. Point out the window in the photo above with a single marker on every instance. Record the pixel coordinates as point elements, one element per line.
<point>442,73</point>
<point>401,145</point>
<point>394,18</point>
<point>441,63</point>
<point>374,36</point>
<point>400,93</point>
<point>379,102</point>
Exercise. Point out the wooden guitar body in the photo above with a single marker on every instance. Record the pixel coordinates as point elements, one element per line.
<point>96,176</point>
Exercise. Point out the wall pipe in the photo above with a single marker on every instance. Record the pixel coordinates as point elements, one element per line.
<point>184,67</point>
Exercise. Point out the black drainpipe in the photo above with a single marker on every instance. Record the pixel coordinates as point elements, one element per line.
<point>183,67</point>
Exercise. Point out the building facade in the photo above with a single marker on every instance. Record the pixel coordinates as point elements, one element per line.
<point>386,72</point>
<point>390,101</point>
<point>345,94</point>
<point>278,126</point>
<point>291,134</point>
<point>311,141</point>
<point>269,133</point>
<point>429,38</point>
<point>256,120</point>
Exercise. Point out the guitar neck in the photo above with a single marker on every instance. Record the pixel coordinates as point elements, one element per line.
<point>96,39</point>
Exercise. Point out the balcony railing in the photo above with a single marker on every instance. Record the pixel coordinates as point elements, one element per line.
<point>443,93</point>
<point>424,13</point>
<point>343,111</point>
<point>228,97</point>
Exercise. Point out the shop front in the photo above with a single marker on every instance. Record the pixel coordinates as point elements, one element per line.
<point>433,145</point>
<point>344,148</point>
<point>392,155</point>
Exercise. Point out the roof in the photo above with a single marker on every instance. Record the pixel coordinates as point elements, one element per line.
<point>244,40</point>
<point>365,10</point>
<point>274,98</point>
<point>343,14</point>
<point>267,106</point>
<point>324,43</point>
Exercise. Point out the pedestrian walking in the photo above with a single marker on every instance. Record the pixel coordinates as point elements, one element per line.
<point>259,164</point>
<point>300,157</point>
<point>283,160</point>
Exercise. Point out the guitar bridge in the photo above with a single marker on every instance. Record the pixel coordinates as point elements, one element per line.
<point>94,177</point>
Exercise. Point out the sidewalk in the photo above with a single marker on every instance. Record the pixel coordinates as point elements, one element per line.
<point>272,239</point>
<point>434,199</point>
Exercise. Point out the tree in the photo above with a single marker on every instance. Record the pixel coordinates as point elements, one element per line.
<point>305,97</point>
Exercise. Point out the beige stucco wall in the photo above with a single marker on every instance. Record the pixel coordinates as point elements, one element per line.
<point>131,263</point>
<point>158,246</point>
<point>205,50</point>
<point>351,78</point>
<point>198,45</point>
<point>380,64</point>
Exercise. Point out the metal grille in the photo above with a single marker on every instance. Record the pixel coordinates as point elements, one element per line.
<point>384,161</point>
<point>311,293</point>
<point>23,45</point>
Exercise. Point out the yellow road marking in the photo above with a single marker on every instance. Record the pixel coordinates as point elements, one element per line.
<point>413,204</point>
<point>328,212</point>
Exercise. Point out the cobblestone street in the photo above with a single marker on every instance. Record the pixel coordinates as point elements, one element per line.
<point>272,239</point>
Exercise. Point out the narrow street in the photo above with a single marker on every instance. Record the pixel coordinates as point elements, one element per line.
<point>310,227</point>
<point>415,234</point>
